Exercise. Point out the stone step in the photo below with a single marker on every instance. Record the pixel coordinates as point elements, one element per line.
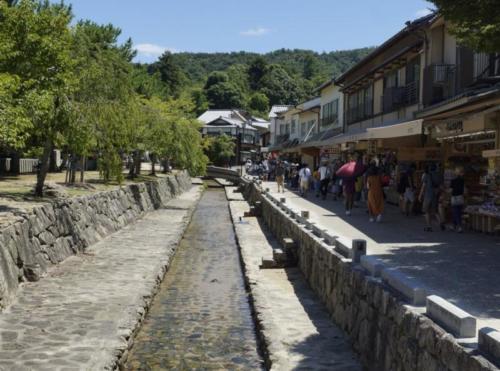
<point>268,264</point>
<point>279,256</point>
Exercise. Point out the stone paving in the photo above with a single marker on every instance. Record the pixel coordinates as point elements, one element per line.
<point>201,318</point>
<point>82,315</point>
<point>294,324</point>
<point>462,268</point>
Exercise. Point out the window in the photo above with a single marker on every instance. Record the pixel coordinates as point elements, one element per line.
<point>282,129</point>
<point>330,113</point>
<point>303,131</point>
<point>391,80</point>
<point>287,128</point>
<point>310,125</point>
<point>360,104</point>
<point>294,126</point>
<point>412,88</point>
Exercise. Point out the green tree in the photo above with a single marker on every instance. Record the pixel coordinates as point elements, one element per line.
<point>280,87</point>
<point>14,121</point>
<point>224,95</point>
<point>215,78</point>
<point>200,101</point>
<point>311,67</point>
<point>35,49</point>
<point>104,100</point>
<point>220,149</point>
<point>475,23</point>
<point>256,72</point>
<point>259,104</point>
<point>170,73</point>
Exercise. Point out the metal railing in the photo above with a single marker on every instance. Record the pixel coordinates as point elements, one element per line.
<point>440,83</point>
<point>360,112</point>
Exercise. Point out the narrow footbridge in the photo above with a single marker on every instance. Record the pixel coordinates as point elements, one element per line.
<point>224,173</point>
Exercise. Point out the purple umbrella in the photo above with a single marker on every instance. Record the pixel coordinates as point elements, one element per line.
<point>352,169</point>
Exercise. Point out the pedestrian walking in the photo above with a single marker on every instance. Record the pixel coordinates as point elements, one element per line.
<point>304,178</point>
<point>429,196</point>
<point>324,178</point>
<point>349,190</point>
<point>375,193</point>
<point>457,186</point>
<point>280,177</point>
<point>406,189</point>
<point>316,182</point>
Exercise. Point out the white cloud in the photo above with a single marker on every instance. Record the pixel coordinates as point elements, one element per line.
<point>151,50</point>
<point>423,12</point>
<point>255,32</point>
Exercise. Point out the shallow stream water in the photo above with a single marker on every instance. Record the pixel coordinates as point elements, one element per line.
<point>201,317</point>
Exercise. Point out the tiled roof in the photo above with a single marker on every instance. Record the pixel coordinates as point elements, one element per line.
<point>278,109</point>
<point>212,115</point>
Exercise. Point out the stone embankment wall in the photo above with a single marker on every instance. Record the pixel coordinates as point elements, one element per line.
<point>53,232</point>
<point>385,332</point>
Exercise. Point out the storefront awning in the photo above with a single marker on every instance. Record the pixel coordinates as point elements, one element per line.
<point>395,131</point>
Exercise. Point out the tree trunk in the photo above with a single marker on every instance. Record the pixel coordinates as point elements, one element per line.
<point>43,168</point>
<point>138,163</point>
<point>82,170</point>
<point>153,164</point>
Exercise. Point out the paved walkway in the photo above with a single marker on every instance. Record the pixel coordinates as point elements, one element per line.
<point>82,314</point>
<point>295,325</point>
<point>462,268</point>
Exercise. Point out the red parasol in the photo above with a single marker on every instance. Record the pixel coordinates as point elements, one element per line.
<point>352,169</point>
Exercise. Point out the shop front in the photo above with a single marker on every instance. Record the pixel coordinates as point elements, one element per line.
<point>470,144</point>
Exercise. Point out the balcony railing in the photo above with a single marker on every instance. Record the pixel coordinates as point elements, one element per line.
<point>397,97</point>
<point>330,120</point>
<point>440,83</point>
<point>486,66</point>
<point>361,112</point>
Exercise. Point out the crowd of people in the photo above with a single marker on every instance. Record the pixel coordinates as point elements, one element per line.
<point>366,183</point>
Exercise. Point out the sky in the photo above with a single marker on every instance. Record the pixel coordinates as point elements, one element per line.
<point>251,25</point>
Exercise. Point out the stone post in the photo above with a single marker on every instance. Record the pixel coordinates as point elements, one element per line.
<point>358,250</point>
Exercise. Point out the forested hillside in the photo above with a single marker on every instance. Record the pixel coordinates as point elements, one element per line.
<point>249,80</point>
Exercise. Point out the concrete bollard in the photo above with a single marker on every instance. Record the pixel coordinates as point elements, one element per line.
<point>452,318</point>
<point>358,250</point>
<point>329,239</point>
<point>489,344</point>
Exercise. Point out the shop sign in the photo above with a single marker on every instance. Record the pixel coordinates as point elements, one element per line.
<point>455,126</point>
<point>491,153</point>
<point>419,154</point>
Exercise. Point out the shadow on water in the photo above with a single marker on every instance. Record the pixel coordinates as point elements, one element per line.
<point>201,317</point>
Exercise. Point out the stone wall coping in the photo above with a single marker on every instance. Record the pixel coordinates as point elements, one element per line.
<point>372,265</point>
<point>489,344</point>
<point>408,286</point>
<point>451,317</point>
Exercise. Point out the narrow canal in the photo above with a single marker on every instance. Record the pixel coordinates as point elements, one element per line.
<point>201,317</point>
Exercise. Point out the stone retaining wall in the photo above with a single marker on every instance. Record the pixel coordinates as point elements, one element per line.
<point>53,232</point>
<point>386,332</point>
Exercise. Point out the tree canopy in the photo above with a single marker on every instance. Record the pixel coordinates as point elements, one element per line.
<point>74,87</point>
<point>474,23</point>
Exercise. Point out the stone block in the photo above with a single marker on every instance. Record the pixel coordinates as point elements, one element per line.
<point>409,287</point>
<point>283,200</point>
<point>452,318</point>
<point>267,264</point>
<point>317,231</point>
<point>288,243</point>
<point>342,245</point>
<point>329,239</point>
<point>489,344</point>
<point>372,265</point>
<point>358,250</point>
<point>279,256</point>
<point>304,214</point>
